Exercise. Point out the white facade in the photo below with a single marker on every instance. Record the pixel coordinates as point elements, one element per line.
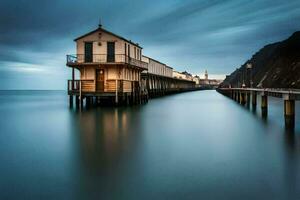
<point>178,75</point>
<point>100,39</point>
<point>196,79</point>
<point>182,75</point>
<point>157,68</point>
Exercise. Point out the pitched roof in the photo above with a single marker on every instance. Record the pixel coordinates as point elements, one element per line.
<point>108,32</point>
<point>154,60</point>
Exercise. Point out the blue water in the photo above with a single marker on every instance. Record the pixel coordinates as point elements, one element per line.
<point>196,145</point>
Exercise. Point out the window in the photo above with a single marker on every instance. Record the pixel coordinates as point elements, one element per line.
<point>141,54</point>
<point>128,50</point>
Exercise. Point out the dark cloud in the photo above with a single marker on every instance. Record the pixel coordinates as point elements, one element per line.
<point>217,35</point>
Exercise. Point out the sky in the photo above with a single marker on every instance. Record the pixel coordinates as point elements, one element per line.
<point>192,35</point>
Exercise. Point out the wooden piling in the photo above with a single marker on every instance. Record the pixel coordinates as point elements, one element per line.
<point>71,101</point>
<point>88,101</point>
<point>289,113</point>
<point>116,94</point>
<point>77,101</point>
<point>81,101</point>
<point>254,98</point>
<point>242,98</point>
<point>248,94</point>
<point>264,105</point>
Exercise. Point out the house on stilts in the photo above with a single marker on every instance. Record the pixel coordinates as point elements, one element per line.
<point>110,67</point>
<point>110,70</point>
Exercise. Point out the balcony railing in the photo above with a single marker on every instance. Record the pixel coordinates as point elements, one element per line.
<point>90,86</point>
<point>104,58</point>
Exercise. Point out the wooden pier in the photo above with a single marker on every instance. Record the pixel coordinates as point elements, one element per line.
<point>249,95</point>
<point>150,86</point>
<point>157,85</point>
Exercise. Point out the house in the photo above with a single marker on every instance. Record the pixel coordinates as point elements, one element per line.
<point>107,62</point>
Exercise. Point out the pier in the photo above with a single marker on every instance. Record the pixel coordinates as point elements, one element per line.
<point>151,86</point>
<point>157,85</point>
<point>247,96</point>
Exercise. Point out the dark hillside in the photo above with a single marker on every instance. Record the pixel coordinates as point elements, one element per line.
<point>274,66</point>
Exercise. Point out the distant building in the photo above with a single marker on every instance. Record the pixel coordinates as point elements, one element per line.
<point>196,79</point>
<point>178,75</point>
<point>188,76</point>
<point>209,83</point>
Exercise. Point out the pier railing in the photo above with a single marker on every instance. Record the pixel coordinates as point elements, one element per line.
<point>275,92</point>
<point>89,86</point>
<point>76,59</point>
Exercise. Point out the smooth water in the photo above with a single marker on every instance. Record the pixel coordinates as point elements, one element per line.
<point>196,145</point>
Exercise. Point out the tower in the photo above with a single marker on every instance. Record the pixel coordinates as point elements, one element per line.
<point>206,75</point>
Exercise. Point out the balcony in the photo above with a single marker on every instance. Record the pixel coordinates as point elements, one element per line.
<point>77,59</point>
<point>90,86</point>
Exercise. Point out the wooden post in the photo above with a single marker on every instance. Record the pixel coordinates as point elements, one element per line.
<point>154,86</point>
<point>289,112</point>
<point>126,99</point>
<point>254,98</point>
<point>140,92</point>
<point>147,84</point>
<point>116,99</point>
<point>242,98</point>
<point>87,102</point>
<point>236,94</point>
<point>77,101</point>
<point>264,105</point>
<point>80,96</point>
<point>248,98</point>
<point>71,101</point>
<point>132,93</point>
<point>160,86</point>
<point>73,78</point>
<point>151,87</point>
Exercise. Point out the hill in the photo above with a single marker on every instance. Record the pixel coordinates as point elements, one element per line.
<point>274,66</point>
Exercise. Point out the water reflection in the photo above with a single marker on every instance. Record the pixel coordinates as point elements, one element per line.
<point>292,166</point>
<point>105,134</point>
<point>192,145</point>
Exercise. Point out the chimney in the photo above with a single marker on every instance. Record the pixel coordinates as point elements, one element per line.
<point>100,24</point>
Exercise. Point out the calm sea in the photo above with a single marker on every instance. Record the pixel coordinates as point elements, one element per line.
<point>196,145</point>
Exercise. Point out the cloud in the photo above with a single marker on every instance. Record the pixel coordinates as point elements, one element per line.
<point>217,35</point>
<point>23,68</point>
